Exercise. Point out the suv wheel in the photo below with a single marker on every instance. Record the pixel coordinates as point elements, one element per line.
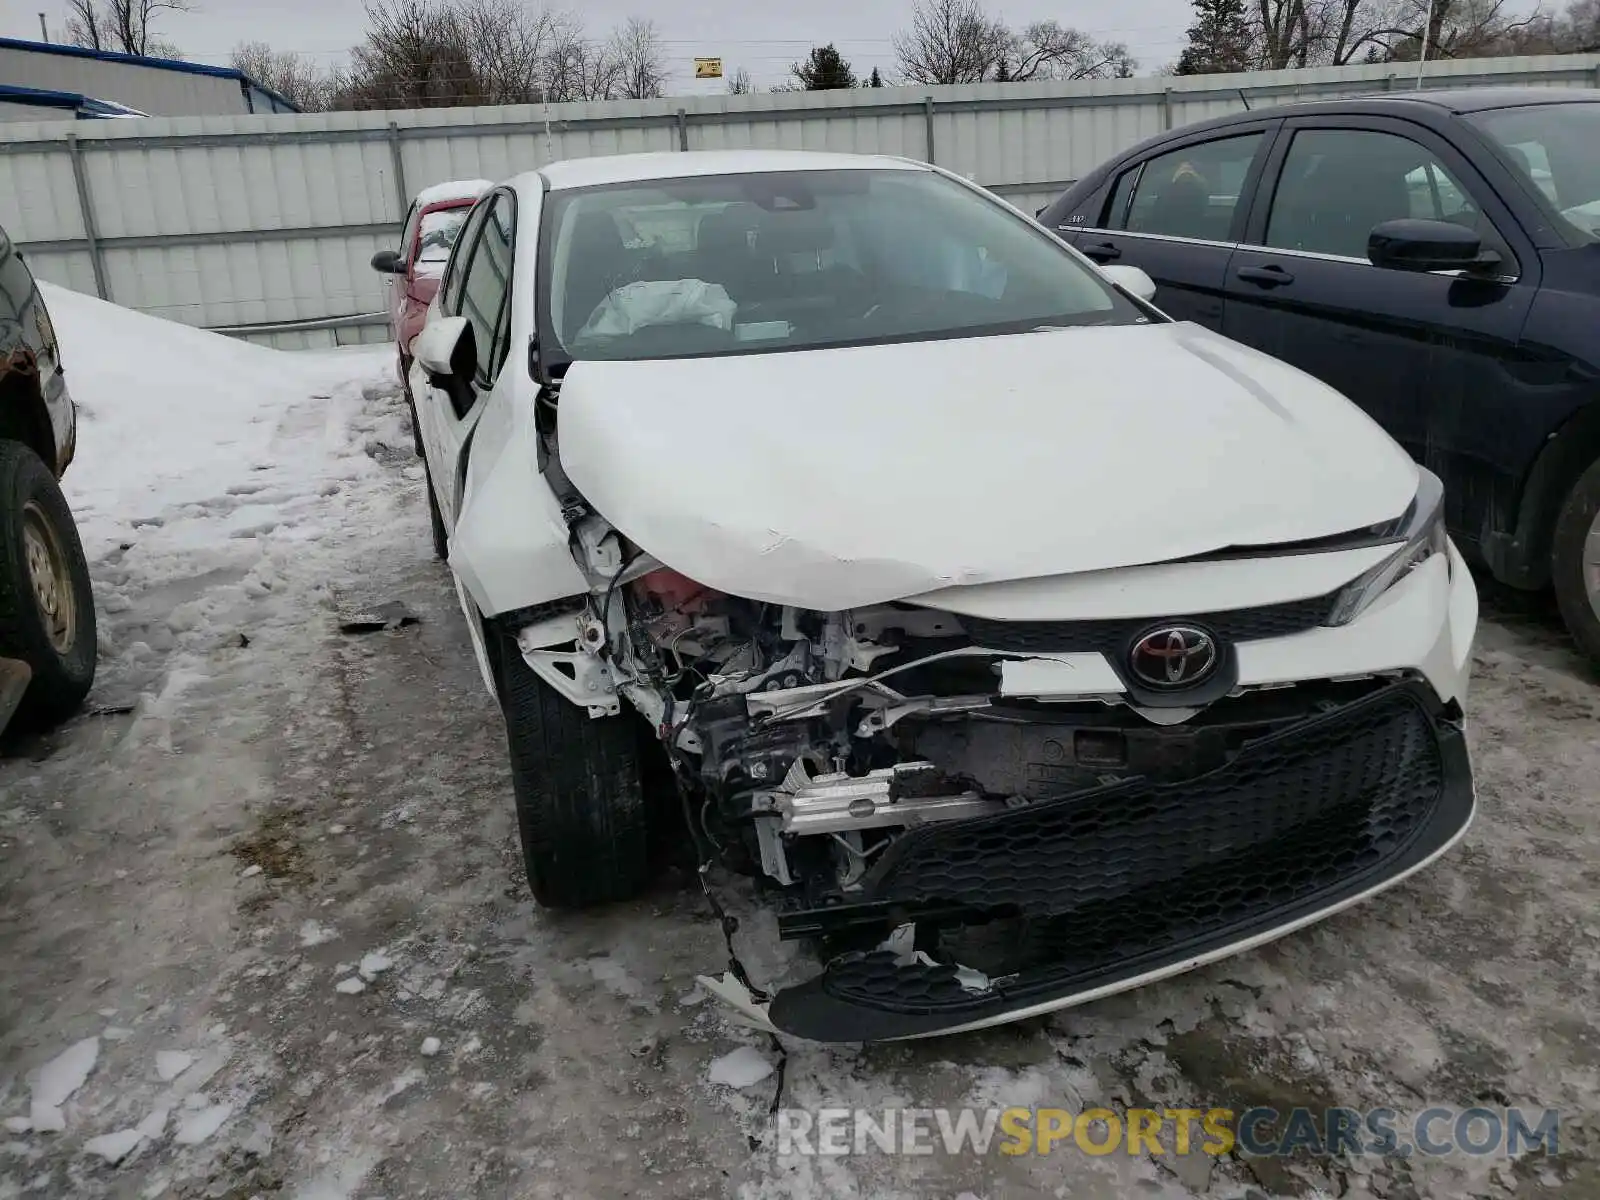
<point>1575,561</point>
<point>46,603</point>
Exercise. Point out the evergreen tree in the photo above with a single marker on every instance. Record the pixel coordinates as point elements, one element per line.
<point>1219,40</point>
<point>823,70</point>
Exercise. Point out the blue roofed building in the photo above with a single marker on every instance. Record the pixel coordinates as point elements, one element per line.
<point>44,80</point>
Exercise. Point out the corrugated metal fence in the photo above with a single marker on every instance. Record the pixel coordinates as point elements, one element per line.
<point>263,226</point>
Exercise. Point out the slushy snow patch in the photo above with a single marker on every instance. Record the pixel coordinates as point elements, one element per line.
<point>374,964</point>
<point>196,1127</point>
<point>58,1079</point>
<point>741,1068</point>
<point>155,1124</point>
<point>22,1124</point>
<point>351,986</point>
<point>172,1063</point>
<point>430,1047</point>
<point>113,1147</point>
<point>313,934</point>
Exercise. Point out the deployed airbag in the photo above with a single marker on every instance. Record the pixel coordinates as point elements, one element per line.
<point>660,302</point>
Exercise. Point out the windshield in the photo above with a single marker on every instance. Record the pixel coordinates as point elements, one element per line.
<point>439,231</point>
<point>726,264</point>
<point>1557,147</point>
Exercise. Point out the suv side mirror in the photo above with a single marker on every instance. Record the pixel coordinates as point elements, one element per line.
<point>388,262</point>
<point>1414,244</point>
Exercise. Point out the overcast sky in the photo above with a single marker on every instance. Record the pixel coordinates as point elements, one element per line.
<point>764,37</point>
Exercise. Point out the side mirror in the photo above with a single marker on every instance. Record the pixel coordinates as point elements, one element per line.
<point>447,351</point>
<point>1132,279</point>
<point>388,262</point>
<point>1414,244</point>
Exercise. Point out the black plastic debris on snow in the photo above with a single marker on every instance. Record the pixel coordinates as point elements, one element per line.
<point>378,618</point>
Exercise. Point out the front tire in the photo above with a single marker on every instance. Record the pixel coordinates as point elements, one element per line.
<point>441,538</point>
<point>1575,562</point>
<point>411,405</point>
<point>581,809</point>
<point>46,603</point>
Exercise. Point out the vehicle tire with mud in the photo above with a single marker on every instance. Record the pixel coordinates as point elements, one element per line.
<point>1575,562</point>
<point>581,809</point>
<point>46,604</point>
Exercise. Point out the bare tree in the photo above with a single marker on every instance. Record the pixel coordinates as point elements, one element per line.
<point>121,25</point>
<point>415,56</point>
<point>510,45</point>
<point>739,83</point>
<point>581,69</point>
<point>295,77</point>
<point>956,41</point>
<point>635,50</point>
<point>950,41</point>
<point>1049,50</point>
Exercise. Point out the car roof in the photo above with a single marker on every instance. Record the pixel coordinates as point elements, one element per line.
<point>634,168</point>
<point>1442,101</point>
<point>453,191</point>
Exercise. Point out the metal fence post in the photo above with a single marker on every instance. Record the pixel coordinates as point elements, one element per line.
<point>91,232</point>
<point>927,122</point>
<point>401,193</point>
<point>683,130</point>
<point>1166,108</point>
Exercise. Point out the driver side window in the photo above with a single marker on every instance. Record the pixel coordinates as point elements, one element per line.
<point>455,272</point>
<point>1337,184</point>
<point>486,286</point>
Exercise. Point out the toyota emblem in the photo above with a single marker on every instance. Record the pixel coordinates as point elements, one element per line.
<point>1173,656</point>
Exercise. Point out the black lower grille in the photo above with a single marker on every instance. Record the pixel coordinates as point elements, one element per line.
<point>1097,883</point>
<point>1113,637</point>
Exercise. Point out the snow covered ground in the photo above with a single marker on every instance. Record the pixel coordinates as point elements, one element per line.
<point>265,934</point>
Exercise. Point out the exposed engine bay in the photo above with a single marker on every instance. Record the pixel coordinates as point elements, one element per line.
<point>808,743</point>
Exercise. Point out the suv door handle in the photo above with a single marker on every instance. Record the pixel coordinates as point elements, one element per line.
<point>1102,251</point>
<point>1270,276</point>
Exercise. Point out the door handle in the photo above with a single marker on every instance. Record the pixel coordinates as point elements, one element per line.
<point>1270,276</point>
<point>1102,251</point>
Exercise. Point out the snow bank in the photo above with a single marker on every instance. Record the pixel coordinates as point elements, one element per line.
<point>169,414</point>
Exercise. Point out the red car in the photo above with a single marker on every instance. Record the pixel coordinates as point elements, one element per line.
<point>431,227</point>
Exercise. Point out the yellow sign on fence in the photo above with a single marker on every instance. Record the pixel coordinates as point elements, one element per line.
<point>708,68</point>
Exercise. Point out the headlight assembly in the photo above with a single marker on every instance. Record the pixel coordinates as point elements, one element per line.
<point>1420,533</point>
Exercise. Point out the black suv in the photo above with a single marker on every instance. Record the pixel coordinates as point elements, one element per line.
<point>1435,256</point>
<point>47,625</point>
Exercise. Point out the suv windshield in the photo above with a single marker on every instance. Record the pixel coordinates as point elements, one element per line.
<point>724,264</point>
<point>1557,147</point>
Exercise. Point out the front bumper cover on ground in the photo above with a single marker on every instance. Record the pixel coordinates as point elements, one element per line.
<point>1104,890</point>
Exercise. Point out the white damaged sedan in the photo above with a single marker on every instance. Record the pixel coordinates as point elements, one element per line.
<point>1024,644</point>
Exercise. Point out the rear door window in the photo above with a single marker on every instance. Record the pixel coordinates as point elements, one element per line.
<point>1192,192</point>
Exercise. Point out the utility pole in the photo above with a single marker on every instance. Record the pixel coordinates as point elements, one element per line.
<point>1422,58</point>
<point>44,30</point>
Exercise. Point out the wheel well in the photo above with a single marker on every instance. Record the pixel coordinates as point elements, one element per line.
<point>23,419</point>
<point>1523,558</point>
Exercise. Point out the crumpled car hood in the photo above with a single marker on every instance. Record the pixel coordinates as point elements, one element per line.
<point>831,479</point>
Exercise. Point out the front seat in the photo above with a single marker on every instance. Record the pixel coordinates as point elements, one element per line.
<point>597,264</point>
